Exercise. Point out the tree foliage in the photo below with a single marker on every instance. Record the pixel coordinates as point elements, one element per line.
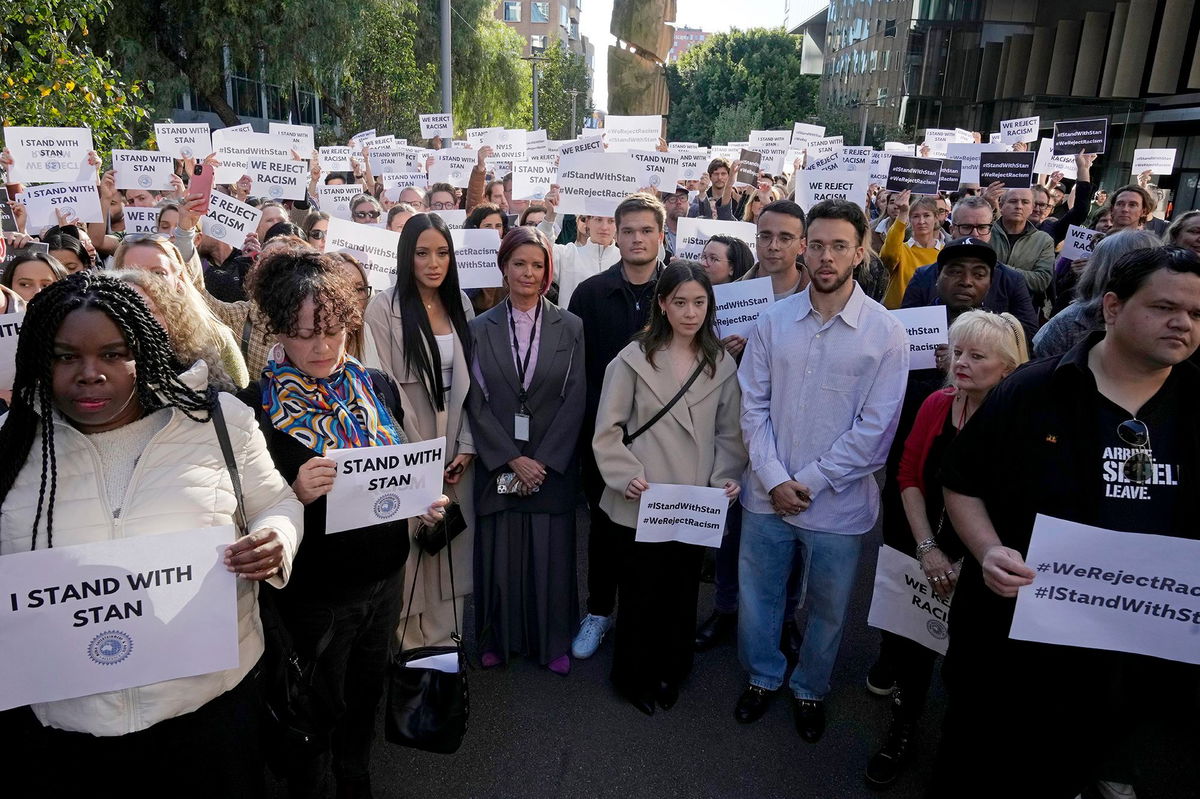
<point>561,72</point>
<point>49,74</point>
<point>735,122</point>
<point>759,68</point>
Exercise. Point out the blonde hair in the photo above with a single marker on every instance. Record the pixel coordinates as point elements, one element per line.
<point>195,334</point>
<point>777,193</point>
<point>1000,333</point>
<point>188,270</point>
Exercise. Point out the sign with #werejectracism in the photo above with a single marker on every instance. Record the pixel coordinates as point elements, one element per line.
<point>376,247</point>
<point>623,133</point>
<point>689,514</point>
<point>927,330</point>
<point>596,183</point>
<point>740,303</point>
<point>377,485</point>
<point>86,619</point>
<point>49,155</point>
<point>475,256</point>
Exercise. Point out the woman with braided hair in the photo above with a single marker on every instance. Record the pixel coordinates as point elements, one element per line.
<point>105,441</point>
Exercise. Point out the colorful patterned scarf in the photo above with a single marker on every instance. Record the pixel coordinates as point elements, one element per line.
<point>336,412</point>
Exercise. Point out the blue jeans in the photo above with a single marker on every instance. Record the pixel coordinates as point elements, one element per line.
<point>768,550</point>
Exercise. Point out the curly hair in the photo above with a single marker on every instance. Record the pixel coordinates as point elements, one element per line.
<point>32,408</point>
<point>283,280</point>
<point>195,334</point>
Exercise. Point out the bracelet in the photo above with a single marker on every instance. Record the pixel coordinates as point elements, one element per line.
<point>925,547</point>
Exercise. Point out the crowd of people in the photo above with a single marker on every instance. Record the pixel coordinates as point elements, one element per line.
<point>594,373</point>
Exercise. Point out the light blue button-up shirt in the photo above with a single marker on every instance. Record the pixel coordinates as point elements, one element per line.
<point>820,404</point>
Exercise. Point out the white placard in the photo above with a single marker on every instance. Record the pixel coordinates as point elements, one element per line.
<point>823,148</point>
<point>803,133</point>
<point>536,143</point>
<point>772,145</point>
<point>1080,242</point>
<point>335,199</point>
<point>49,155</point>
<point>689,514</point>
<point>143,169</point>
<point>596,183</point>
<point>507,145</point>
<point>245,127</point>
<point>279,180</point>
<point>681,146</point>
<point>926,328</point>
<point>693,233</point>
<point>403,180</point>
<point>391,159</point>
<point>10,329</point>
<point>532,179</point>
<point>660,171</point>
<point>1103,589</point>
<point>77,200</point>
<point>815,186</point>
<point>970,154</point>
<point>692,164</point>
<point>434,125</point>
<point>377,485</point>
<point>936,140</point>
<point>591,144</point>
<point>1048,163</point>
<point>301,136</point>
<point>827,164</point>
<point>184,140</point>
<point>624,133</point>
<point>881,164</point>
<point>1020,130</point>
<point>229,220</point>
<point>900,148</point>
<point>855,159</point>
<point>455,218</point>
<point>335,159</point>
<point>475,257</point>
<point>91,618</point>
<point>380,143</point>
<point>903,602</point>
<point>452,166</point>
<point>1160,161</point>
<point>357,140</point>
<point>141,220</point>
<point>235,151</point>
<point>376,247</point>
<point>740,303</point>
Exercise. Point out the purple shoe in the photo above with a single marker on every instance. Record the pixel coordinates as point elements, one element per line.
<point>490,660</point>
<point>560,665</point>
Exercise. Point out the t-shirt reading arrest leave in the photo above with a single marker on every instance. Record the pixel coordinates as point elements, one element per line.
<point>1130,506</point>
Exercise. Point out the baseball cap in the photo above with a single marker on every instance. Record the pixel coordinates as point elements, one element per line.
<point>968,247</point>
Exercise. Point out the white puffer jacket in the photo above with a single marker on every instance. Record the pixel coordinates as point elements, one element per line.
<point>180,483</point>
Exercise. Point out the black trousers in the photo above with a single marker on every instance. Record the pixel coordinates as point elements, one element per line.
<point>604,550</point>
<point>656,629</point>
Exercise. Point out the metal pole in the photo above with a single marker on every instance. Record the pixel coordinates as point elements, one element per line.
<point>862,139</point>
<point>574,94</point>
<point>533,64</point>
<point>447,94</point>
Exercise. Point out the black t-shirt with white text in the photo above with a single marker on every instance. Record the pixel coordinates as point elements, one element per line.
<point>1125,505</point>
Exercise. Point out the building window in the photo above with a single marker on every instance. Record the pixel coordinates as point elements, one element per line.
<point>512,10</point>
<point>539,12</point>
<point>564,16</point>
<point>889,28</point>
<point>246,99</point>
<point>574,29</point>
<point>537,44</point>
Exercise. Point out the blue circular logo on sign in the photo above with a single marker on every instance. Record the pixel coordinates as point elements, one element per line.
<point>655,180</point>
<point>110,647</point>
<point>386,506</point>
<point>68,211</point>
<point>53,166</point>
<point>937,629</point>
<point>216,230</point>
<point>144,181</point>
<point>186,152</point>
<point>276,191</point>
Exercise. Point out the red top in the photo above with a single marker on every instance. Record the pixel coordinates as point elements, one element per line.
<point>929,422</point>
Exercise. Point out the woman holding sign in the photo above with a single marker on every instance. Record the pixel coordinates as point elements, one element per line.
<point>527,399</point>
<point>420,330</point>
<point>669,413</point>
<point>106,442</point>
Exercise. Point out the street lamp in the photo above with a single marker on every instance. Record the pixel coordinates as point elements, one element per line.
<point>574,94</point>
<point>534,61</point>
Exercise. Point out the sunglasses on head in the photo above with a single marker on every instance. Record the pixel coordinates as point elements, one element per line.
<point>316,234</point>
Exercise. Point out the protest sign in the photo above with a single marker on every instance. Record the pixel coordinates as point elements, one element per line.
<point>532,179</point>
<point>1158,161</point>
<point>392,159</point>
<point>357,140</point>
<point>692,164</point>
<point>829,163</point>
<point>903,602</point>
<point>748,168</point>
<point>380,142</point>
<point>141,220</point>
<point>279,180</point>
<point>455,218</point>
<point>1081,136</point>
<point>815,186</point>
<point>245,127</point>
<point>659,170</point>
<point>536,144</point>
<point>936,140</point>
<point>300,135</point>
<point>903,149</point>
<point>740,303</point>
<point>969,155</point>
<point>507,145</point>
<point>402,180</point>
<point>475,257</point>
<point>803,133</point>
<point>822,148</point>
<point>855,159</point>
<point>772,145</point>
<point>926,328</point>
<point>681,146</point>
<point>951,176</point>
<point>435,125</point>
<point>336,199</point>
<point>8,220</point>
<point>1104,589</point>
<point>335,159</point>
<point>1020,130</point>
<point>881,162</point>
<point>235,151</point>
<point>188,140</point>
<point>592,144</point>
<point>479,137</point>
<point>229,220</point>
<point>97,617</point>
<point>143,169</point>
<point>75,200</point>
<point>1048,163</point>
<point>376,485</point>
<point>918,175</point>
<point>596,183</point>
<point>1080,242</point>
<point>10,328</point>
<point>689,514</point>
<point>376,247</point>
<point>1014,170</point>
<point>694,232</point>
<point>45,155</point>
<point>624,133</point>
<point>452,166</point>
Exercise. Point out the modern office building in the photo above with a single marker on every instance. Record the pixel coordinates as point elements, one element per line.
<point>685,39</point>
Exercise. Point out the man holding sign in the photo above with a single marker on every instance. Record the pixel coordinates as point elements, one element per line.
<point>1101,436</point>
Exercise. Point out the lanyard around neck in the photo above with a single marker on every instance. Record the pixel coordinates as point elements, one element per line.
<point>523,365</point>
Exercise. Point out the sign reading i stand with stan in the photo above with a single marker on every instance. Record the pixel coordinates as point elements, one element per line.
<point>187,140</point>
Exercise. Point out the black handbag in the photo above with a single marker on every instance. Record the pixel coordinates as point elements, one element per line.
<point>293,729</point>
<point>628,437</point>
<point>433,540</point>
<point>427,709</point>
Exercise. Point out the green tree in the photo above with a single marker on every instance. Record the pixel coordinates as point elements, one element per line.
<point>49,74</point>
<point>562,72</point>
<point>735,122</point>
<point>758,67</point>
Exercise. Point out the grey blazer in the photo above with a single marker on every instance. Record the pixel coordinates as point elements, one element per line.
<point>556,405</point>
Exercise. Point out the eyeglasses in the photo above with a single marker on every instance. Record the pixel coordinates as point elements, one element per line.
<point>442,206</point>
<point>785,239</point>
<point>837,248</point>
<point>978,230</point>
<point>364,291</point>
<point>1041,205</point>
<point>366,214</point>
<point>316,235</point>
<point>133,238</point>
<point>1138,467</point>
<point>713,259</point>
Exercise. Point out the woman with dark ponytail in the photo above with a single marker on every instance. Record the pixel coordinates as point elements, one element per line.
<point>99,409</point>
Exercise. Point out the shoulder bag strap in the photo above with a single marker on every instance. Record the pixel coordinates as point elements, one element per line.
<point>218,420</point>
<point>629,437</point>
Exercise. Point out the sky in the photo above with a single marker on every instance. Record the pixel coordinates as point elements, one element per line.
<point>710,15</point>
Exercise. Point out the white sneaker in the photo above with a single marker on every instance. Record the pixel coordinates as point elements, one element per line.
<point>591,633</point>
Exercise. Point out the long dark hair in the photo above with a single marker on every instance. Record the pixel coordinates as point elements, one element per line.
<point>158,385</point>
<point>738,252</point>
<point>657,333</point>
<point>421,355</point>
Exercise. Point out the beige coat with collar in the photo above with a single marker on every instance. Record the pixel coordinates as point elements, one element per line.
<point>421,423</point>
<point>698,442</point>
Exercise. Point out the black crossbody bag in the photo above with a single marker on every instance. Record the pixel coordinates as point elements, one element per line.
<point>629,437</point>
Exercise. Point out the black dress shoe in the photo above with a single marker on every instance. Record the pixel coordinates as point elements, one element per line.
<point>642,700</point>
<point>752,704</point>
<point>717,629</point>
<point>810,719</point>
<point>668,695</point>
